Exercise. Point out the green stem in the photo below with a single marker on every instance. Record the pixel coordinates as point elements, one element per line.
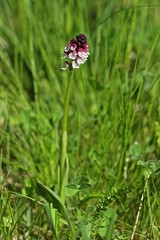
<point>64,139</point>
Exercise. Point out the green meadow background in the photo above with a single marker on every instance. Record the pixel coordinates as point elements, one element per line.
<point>113,188</point>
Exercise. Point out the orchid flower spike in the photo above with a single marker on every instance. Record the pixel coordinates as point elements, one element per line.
<point>77,50</point>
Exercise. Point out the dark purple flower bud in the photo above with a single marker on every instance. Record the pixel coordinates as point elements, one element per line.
<point>81,38</point>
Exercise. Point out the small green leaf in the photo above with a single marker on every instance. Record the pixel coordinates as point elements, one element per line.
<point>85,188</point>
<point>81,180</point>
<point>153,166</point>
<point>150,149</point>
<point>70,189</point>
<point>135,150</point>
<point>142,163</point>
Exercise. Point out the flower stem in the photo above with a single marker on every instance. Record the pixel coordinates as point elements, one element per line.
<point>63,156</point>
